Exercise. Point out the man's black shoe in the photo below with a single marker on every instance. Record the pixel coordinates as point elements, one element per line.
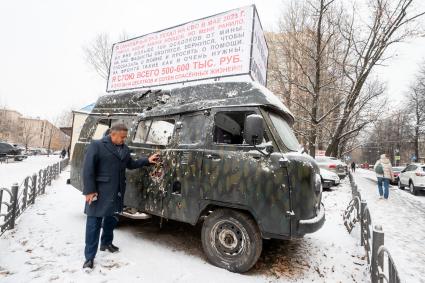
<point>88,263</point>
<point>109,247</point>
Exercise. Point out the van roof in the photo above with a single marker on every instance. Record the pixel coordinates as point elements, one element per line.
<point>159,102</point>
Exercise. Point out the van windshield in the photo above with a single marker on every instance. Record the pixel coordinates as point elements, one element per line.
<point>285,132</point>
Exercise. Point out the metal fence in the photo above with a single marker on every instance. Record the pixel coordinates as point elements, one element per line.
<point>371,238</point>
<point>23,195</point>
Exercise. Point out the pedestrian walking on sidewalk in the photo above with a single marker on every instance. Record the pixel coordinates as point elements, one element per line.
<point>63,153</point>
<point>384,173</point>
<point>353,166</point>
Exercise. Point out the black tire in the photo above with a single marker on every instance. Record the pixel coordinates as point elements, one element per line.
<point>231,240</point>
<point>412,189</point>
<point>400,186</point>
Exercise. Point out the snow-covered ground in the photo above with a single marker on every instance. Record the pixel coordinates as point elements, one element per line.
<point>402,217</point>
<point>47,245</point>
<point>16,171</point>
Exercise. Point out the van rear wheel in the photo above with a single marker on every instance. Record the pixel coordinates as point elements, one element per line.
<point>231,240</point>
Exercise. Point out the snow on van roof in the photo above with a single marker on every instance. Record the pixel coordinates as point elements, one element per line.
<point>173,100</point>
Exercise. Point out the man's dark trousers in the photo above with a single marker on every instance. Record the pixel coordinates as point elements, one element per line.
<point>93,226</point>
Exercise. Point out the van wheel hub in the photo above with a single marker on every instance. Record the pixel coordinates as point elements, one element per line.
<point>228,238</point>
<point>231,240</point>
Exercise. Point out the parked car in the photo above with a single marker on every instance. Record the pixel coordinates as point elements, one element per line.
<point>332,164</point>
<point>229,160</point>
<point>364,165</point>
<point>35,151</point>
<point>9,151</point>
<point>413,177</point>
<point>329,178</point>
<point>396,173</point>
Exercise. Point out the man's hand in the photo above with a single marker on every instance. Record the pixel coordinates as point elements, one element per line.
<point>90,197</point>
<point>153,159</point>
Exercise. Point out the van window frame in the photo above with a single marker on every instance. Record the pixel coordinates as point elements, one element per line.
<point>203,140</point>
<point>95,121</point>
<point>134,131</point>
<point>210,144</point>
<point>281,145</point>
<point>144,144</point>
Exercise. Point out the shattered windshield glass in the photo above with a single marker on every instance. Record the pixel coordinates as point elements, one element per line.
<point>285,132</point>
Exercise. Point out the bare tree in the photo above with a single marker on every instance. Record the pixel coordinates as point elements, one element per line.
<point>391,21</point>
<point>369,109</point>
<point>64,119</point>
<point>416,104</point>
<point>98,53</point>
<point>308,75</point>
<point>27,133</point>
<point>5,126</point>
<point>322,65</point>
<point>391,134</point>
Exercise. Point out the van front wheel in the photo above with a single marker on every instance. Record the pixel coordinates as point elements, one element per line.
<point>231,240</point>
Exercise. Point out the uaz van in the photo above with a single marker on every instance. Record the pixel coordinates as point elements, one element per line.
<point>229,159</point>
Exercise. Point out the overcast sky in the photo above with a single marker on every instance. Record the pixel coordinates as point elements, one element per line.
<point>42,68</point>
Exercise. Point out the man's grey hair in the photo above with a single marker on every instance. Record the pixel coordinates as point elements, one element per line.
<point>118,128</point>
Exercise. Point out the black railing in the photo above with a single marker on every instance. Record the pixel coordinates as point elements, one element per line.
<point>371,238</point>
<point>23,195</point>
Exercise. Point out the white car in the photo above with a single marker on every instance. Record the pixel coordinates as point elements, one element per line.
<point>329,178</point>
<point>332,164</point>
<point>413,176</point>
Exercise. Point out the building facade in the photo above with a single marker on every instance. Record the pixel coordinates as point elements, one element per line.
<point>30,132</point>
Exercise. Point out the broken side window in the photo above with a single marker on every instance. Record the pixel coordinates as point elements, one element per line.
<point>103,125</point>
<point>160,132</point>
<point>192,129</point>
<point>229,127</point>
<point>101,128</point>
<point>142,131</point>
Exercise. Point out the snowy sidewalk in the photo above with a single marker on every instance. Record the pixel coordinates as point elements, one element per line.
<point>402,217</point>
<point>47,245</point>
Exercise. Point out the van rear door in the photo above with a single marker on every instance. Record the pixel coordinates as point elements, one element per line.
<point>95,126</point>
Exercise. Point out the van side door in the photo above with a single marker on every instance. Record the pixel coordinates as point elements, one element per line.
<point>236,175</point>
<point>147,186</point>
<point>182,199</point>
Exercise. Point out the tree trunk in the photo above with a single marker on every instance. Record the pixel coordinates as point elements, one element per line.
<point>417,142</point>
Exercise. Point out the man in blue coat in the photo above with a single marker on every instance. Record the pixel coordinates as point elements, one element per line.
<point>104,187</point>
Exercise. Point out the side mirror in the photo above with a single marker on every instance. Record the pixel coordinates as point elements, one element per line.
<point>254,129</point>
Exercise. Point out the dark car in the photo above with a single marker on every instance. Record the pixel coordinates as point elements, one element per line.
<point>229,160</point>
<point>9,151</point>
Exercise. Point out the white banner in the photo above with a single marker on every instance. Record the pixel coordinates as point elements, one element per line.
<point>212,47</point>
<point>260,53</point>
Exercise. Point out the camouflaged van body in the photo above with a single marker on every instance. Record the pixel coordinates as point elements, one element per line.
<point>282,191</point>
